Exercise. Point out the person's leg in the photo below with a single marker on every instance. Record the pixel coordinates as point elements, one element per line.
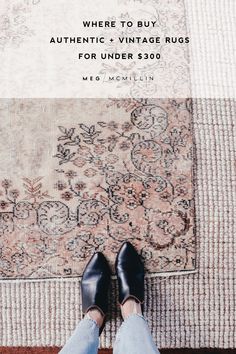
<point>134,336</point>
<point>94,288</point>
<point>85,338</point>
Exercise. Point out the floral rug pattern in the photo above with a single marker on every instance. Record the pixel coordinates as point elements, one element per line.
<point>125,173</point>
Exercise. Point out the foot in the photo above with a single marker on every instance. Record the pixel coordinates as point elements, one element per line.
<point>97,316</point>
<point>95,285</point>
<point>130,307</point>
<point>130,274</point>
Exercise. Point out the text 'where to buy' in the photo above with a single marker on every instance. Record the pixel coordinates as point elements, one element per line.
<point>112,24</point>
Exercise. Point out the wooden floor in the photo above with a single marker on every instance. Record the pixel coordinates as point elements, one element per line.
<point>188,351</point>
<point>19,350</point>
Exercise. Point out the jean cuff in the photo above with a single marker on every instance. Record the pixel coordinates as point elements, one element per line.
<point>88,318</point>
<point>128,318</point>
<point>133,315</point>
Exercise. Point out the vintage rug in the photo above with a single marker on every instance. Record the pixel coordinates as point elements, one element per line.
<point>79,176</point>
<point>192,311</point>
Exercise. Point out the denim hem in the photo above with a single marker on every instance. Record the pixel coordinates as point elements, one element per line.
<point>87,318</point>
<point>126,319</point>
<point>133,315</point>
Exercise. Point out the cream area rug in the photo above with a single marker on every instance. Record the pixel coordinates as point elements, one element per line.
<point>195,310</point>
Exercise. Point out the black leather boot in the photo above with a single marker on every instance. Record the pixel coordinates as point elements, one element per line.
<point>95,284</point>
<point>130,274</point>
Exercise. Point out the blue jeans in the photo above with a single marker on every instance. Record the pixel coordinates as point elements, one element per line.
<point>133,337</point>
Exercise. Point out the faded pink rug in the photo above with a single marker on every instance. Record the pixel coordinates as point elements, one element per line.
<point>80,176</point>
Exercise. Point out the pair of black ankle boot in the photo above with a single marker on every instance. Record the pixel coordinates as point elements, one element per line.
<point>97,274</point>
